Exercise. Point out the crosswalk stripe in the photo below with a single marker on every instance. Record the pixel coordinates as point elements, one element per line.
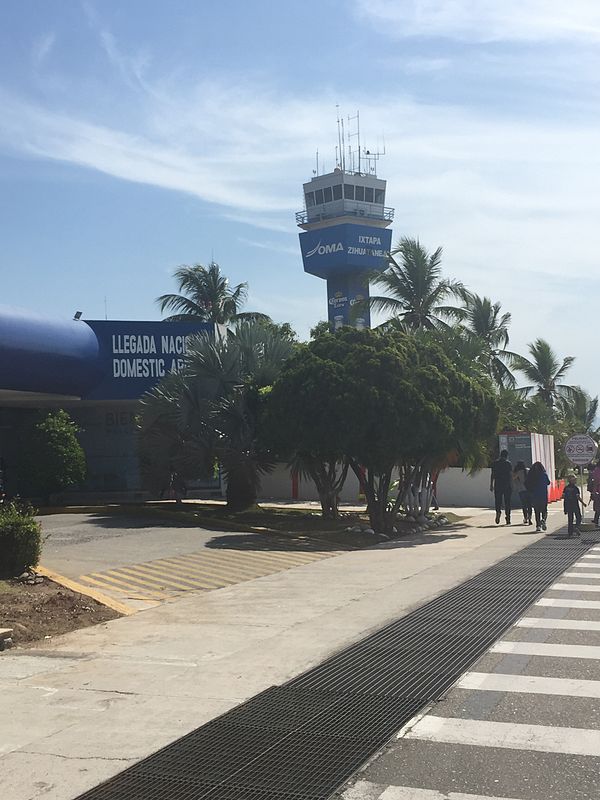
<point>149,577</point>
<point>195,573</point>
<point>170,575</point>
<point>547,649</point>
<point>197,565</point>
<point>122,584</point>
<point>511,735</point>
<point>594,568</point>
<point>235,563</point>
<point>574,587</point>
<point>529,684</point>
<point>409,793</point>
<point>559,624</point>
<point>590,576</point>
<point>293,557</point>
<point>228,573</point>
<point>105,585</point>
<point>558,602</point>
<point>266,564</point>
<point>592,556</point>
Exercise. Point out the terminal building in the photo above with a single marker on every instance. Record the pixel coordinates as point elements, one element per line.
<point>95,369</point>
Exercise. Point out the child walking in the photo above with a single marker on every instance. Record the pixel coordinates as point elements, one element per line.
<point>571,500</point>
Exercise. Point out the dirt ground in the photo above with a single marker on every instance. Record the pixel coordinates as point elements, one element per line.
<point>46,609</point>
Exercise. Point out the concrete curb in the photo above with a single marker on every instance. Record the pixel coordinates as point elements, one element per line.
<point>75,586</point>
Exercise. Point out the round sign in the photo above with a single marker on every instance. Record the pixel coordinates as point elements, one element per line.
<point>581,449</point>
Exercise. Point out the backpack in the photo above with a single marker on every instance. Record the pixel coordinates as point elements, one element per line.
<point>530,481</point>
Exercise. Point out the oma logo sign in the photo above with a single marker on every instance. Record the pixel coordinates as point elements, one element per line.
<point>325,249</point>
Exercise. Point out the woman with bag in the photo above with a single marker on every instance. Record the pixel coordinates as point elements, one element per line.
<point>537,482</point>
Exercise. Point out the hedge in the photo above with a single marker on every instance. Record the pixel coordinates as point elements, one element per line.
<point>20,539</point>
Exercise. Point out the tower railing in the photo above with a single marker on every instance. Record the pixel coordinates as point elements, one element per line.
<point>319,213</point>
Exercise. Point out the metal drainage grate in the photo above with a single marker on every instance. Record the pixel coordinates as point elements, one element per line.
<point>303,740</point>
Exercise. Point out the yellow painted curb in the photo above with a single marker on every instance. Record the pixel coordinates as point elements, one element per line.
<point>121,608</point>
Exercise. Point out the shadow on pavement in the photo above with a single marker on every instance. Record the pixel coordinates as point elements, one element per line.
<point>125,522</point>
<point>421,538</point>
<point>283,543</point>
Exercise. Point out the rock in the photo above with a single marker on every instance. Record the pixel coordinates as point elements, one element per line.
<point>356,529</point>
<point>369,531</point>
<point>24,576</point>
<point>38,579</point>
<point>394,530</point>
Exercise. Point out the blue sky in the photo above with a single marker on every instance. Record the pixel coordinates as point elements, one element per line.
<point>136,136</point>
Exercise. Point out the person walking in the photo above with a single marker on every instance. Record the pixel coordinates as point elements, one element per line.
<point>571,500</point>
<point>537,483</point>
<point>519,478</point>
<point>501,485</point>
<point>594,489</point>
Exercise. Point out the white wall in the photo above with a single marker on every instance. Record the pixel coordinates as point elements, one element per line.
<point>454,488</point>
<point>278,486</point>
<point>458,488</point>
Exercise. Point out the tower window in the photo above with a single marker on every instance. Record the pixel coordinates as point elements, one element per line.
<point>359,192</point>
<point>349,191</point>
<point>379,196</point>
<point>337,191</point>
<point>319,197</point>
<point>327,194</point>
<point>368,195</point>
<point>310,199</point>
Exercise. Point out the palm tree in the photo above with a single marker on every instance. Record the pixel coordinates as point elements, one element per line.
<point>581,411</point>
<point>213,409</point>
<point>417,294</point>
<point>545,373</point>
<point>484,321</point>
<point>206,297</point>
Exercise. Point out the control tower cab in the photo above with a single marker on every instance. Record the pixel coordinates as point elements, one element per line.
<point>346,236</point>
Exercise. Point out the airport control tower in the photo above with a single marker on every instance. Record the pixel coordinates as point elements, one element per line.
<point>346,229</point>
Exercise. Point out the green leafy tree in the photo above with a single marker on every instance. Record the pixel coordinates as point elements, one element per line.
<point>416,293</point>
<point>281,329</point>
<point>205,295</point>
<point>545,373</point>
<point>394,402</point>
<point>301,409</point>
<point>320,328</point>
<point>214,408</point>
<point>52,459</point>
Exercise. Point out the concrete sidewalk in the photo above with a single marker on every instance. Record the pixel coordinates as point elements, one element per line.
<point>88,704</point>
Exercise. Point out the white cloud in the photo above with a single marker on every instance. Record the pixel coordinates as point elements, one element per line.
<point>486,20</point>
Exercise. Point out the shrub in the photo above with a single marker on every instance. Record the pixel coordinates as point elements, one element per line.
<point>52,459</point>
<point>20,539</point>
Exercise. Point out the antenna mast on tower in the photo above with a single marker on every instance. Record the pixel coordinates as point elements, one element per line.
<point>357,135</point>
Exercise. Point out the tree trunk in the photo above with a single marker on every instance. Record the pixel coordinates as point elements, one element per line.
<point>329,485</point>
<point>376,489</point>
<point>241,490</point>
